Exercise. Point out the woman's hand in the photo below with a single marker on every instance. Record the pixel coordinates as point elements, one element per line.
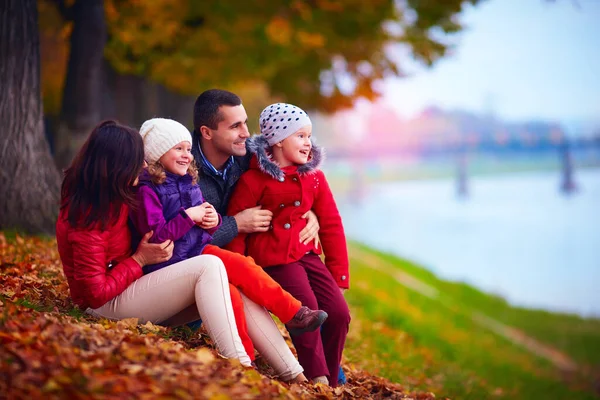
<point>152,253</point>
<point>311,230</point>
<point>196,213</point>
<point>211,217</point>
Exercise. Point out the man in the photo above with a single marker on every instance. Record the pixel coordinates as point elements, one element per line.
<point>219,148</point>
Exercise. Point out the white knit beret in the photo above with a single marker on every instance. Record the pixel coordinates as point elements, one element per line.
<point>280,120</point>
<point>160,135</point>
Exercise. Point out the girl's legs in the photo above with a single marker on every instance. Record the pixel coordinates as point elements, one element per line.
<point>270,343</point>
<point>252,280</point>
<point>311,282</point>
<point>163,294</point>
<point>331,300</point>
<point>293,278</point>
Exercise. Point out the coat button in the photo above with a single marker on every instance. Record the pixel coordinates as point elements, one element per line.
<point>287,226</point>
<point>281,205</point>
<point>297,203</point>
<point>295,179</point>
<point>281,179</point>
<point>343,277</point>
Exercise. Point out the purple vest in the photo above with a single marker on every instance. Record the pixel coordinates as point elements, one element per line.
<point>176,194</point>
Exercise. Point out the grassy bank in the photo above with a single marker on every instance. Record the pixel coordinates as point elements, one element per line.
<point>456,341</point>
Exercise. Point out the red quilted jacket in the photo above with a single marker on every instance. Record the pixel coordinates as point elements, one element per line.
<point>86,255</point>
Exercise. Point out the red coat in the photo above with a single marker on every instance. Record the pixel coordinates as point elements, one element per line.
<point>86,255</point>
<point>289,193</point>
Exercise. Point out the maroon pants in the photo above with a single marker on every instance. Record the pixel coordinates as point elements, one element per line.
<point>309,280</point>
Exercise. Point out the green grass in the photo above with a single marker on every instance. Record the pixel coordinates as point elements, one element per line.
<point>434,343</point>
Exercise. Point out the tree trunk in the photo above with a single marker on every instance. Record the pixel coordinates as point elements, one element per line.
<point>28,178</point>
<point>84,85</point>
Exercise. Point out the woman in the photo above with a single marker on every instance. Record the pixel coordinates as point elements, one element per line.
<point>106,280</point>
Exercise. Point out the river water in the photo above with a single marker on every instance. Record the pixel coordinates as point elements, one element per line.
<point>515,235</point>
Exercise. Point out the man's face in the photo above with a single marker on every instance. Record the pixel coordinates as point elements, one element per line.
<point>230,136</point>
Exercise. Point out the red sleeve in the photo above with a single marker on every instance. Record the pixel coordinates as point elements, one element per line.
<point>331,233</point>
<point>241,199</point>
<point>90,268</point>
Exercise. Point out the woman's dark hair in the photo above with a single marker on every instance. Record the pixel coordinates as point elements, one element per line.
<point>99,180</point>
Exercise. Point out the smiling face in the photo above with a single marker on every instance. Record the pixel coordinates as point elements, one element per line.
<point>295,149</point>
<point>229,139</point>
<point>178,159</point>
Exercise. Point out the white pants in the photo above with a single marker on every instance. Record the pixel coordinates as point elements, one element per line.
<point>198,288</point>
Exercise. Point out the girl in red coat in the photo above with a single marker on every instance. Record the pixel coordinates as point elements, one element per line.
<point>284,177</point>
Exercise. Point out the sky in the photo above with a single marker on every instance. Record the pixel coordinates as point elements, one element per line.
<point>517,59</point>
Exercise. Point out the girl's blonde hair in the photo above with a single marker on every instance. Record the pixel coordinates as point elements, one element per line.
<point>158,175</point>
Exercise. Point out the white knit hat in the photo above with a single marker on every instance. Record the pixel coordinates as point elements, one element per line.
<point>160,135</point>
<point>280,120</point>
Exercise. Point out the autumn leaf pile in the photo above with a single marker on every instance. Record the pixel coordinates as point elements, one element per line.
<point>49,349</point>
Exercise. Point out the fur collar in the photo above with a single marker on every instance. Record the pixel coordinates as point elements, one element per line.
<point>259,146</point>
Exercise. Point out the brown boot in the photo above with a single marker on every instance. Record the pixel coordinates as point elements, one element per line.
<point>306,320</point>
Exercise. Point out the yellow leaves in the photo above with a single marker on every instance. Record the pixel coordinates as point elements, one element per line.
<point>303,9</point>
<point>133,369</point>
<point>52,355</point>
<point>311,40</point>
<point>128,322</point>
<point>150,327</point>
<point>182,394</point>
<point>50,386</point>
<point>204,355</point>
<point>132,353</point>
<point>279,31</point>
<point>7,292</point>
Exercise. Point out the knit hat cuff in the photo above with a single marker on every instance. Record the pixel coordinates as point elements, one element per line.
<point>160,135</point>
<point>279,121</point>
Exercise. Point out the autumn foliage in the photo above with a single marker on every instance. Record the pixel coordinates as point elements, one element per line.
<point>49,349</point>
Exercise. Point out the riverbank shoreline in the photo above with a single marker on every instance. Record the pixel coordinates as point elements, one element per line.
<point>457,341</point>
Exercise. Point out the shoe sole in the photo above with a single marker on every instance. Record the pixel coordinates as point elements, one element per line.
<point>318,322</point>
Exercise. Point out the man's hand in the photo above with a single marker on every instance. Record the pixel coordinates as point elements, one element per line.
<point>311,230</point>
<point>152,253</point>
<point>253,220</point>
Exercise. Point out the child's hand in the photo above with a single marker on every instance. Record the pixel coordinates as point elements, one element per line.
<point>211,217</point>
<point>196,213</point>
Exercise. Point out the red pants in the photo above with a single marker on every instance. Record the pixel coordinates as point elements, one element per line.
<point>309,280</point>
<point>247,277</point>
